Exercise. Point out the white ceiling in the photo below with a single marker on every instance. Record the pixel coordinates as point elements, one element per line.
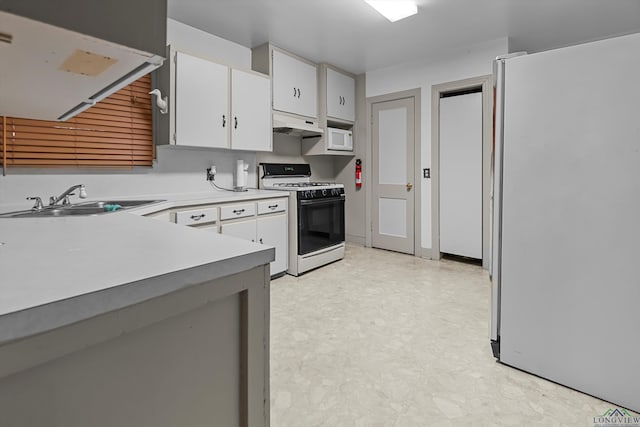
<point>351,35</point>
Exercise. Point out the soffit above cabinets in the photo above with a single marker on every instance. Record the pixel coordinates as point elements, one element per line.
<point>51,73</point>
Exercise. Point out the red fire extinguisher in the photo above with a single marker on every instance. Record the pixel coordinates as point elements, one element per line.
<point>358,174</point>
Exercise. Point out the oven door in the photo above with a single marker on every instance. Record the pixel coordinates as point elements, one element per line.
<point>320,224</point>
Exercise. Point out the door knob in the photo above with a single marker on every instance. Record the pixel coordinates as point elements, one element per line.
<point>409,186</point>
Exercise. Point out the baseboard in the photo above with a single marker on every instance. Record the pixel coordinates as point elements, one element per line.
<point>426,253</point>
<point>355,240</point>
<point>485,259</point>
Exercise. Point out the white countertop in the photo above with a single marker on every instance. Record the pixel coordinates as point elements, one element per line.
<point>170,200</point>
<point>173,200</point>
<point>57,271</point>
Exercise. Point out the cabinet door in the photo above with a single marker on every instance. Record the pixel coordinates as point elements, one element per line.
<point>244,229</point>
<point>250,111</point>
<point>295,85</point>
<point>201,102</point>
<point>272,230</point>
<point>341,96</point>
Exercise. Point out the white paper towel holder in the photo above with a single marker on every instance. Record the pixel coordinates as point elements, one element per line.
<point>242,175</point>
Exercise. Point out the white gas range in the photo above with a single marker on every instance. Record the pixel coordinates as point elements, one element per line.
<point>316,215</point>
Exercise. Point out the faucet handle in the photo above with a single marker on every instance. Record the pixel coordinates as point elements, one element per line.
<point>66,201</point>
<point>38,205</point>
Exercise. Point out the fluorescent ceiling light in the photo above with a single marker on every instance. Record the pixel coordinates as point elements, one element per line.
<point>394,10</point>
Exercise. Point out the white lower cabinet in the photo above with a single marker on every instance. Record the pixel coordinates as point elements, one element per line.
<point>262,221</point>
<point>243,229</point>
<point>272,230</point>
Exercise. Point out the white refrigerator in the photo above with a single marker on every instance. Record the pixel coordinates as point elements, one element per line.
<point>566,217</point>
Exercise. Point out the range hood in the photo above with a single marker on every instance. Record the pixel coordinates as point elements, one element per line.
<point>51,73</point>
<point>295,126</point>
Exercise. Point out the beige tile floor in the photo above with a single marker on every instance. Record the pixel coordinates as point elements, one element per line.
<point>385,339</point>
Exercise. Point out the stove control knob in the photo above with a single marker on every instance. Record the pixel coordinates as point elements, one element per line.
<point>307,194</point>
<point>324,192</point>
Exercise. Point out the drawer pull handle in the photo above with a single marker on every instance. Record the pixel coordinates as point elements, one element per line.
<point>261,242</point>
<point>273,206</point>
<point>238,211</point>
<point>197,217</point>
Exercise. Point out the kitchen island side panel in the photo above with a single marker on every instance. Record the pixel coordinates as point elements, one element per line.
<point>203,361</point>
<point>571,204</point>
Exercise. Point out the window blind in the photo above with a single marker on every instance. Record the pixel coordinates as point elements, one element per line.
<point>116,132</point>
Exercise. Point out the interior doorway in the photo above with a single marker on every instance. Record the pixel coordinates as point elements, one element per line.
<point>461,113</point>
<point>394,193</point>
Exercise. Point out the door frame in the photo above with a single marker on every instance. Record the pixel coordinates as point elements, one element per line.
<point>486,83</point>
<point>368,172</point>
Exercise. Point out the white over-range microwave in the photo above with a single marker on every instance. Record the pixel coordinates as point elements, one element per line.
<point>339,139</point>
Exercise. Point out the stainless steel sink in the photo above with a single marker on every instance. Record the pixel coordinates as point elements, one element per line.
<point>86,208</point>
<point>124,204</point>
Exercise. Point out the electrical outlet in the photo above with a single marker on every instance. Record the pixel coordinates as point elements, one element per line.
<point>211,173</point>
<point>426,172</point>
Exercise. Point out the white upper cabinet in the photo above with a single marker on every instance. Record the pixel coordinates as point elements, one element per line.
<point>295,85</point>
<point>219,107</point>
<point>250,111</point>
<point>341,96</point>
<point>201,102</point>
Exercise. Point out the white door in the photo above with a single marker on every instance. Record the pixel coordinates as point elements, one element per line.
<point>243,229</point>
<point>461,175</point>
<point>393,137</point>
<point>250,111</point>
<point>341,94</point>
<point>202,102</point>
<point>272,230</point>
<point>295,85</point>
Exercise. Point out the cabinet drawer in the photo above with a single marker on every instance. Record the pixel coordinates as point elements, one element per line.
<point>197,216</point>
<point>237,211</point>
<point>271,206</point>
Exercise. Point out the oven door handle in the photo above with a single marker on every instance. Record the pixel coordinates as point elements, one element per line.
<point>320,201</point>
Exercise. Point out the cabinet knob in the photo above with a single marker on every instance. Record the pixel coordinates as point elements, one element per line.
<point>261,241</point>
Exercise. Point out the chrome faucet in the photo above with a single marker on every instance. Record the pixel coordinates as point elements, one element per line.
<point>65,196</point>
<point>38,206</point>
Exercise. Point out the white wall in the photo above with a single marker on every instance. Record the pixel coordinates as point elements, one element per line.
<point>470,62</point>
<point>175,169</point>
<point>190,39</point>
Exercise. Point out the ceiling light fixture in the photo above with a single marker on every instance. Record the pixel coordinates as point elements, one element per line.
<point>394,10</point>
